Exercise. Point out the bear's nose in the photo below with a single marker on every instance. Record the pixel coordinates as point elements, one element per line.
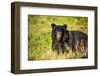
<point>58,35</point>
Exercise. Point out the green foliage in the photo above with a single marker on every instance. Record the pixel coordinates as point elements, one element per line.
<point>39,35</point>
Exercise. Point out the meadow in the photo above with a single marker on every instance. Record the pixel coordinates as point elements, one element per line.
<point>39,36</point>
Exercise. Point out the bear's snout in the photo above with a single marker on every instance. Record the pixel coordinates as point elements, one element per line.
<point>58,35</point>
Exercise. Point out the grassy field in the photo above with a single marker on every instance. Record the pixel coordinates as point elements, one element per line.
<point>39,36</point>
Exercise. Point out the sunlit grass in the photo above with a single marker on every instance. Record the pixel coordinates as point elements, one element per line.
<point>51,55</point>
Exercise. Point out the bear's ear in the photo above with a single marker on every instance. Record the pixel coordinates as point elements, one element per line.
<point>65,26</point>
<point>53,25</point>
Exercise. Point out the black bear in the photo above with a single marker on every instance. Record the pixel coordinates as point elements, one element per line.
<point>63,39</point>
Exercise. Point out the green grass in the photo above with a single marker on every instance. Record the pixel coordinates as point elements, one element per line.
<point>39,36</point>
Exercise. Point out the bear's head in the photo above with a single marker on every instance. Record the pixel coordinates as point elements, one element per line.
<point>58,31</point>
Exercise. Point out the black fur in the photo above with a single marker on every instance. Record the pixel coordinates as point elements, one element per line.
<point>75,39</point>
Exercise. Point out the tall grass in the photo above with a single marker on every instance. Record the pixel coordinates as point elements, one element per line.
<point>39,36</point>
